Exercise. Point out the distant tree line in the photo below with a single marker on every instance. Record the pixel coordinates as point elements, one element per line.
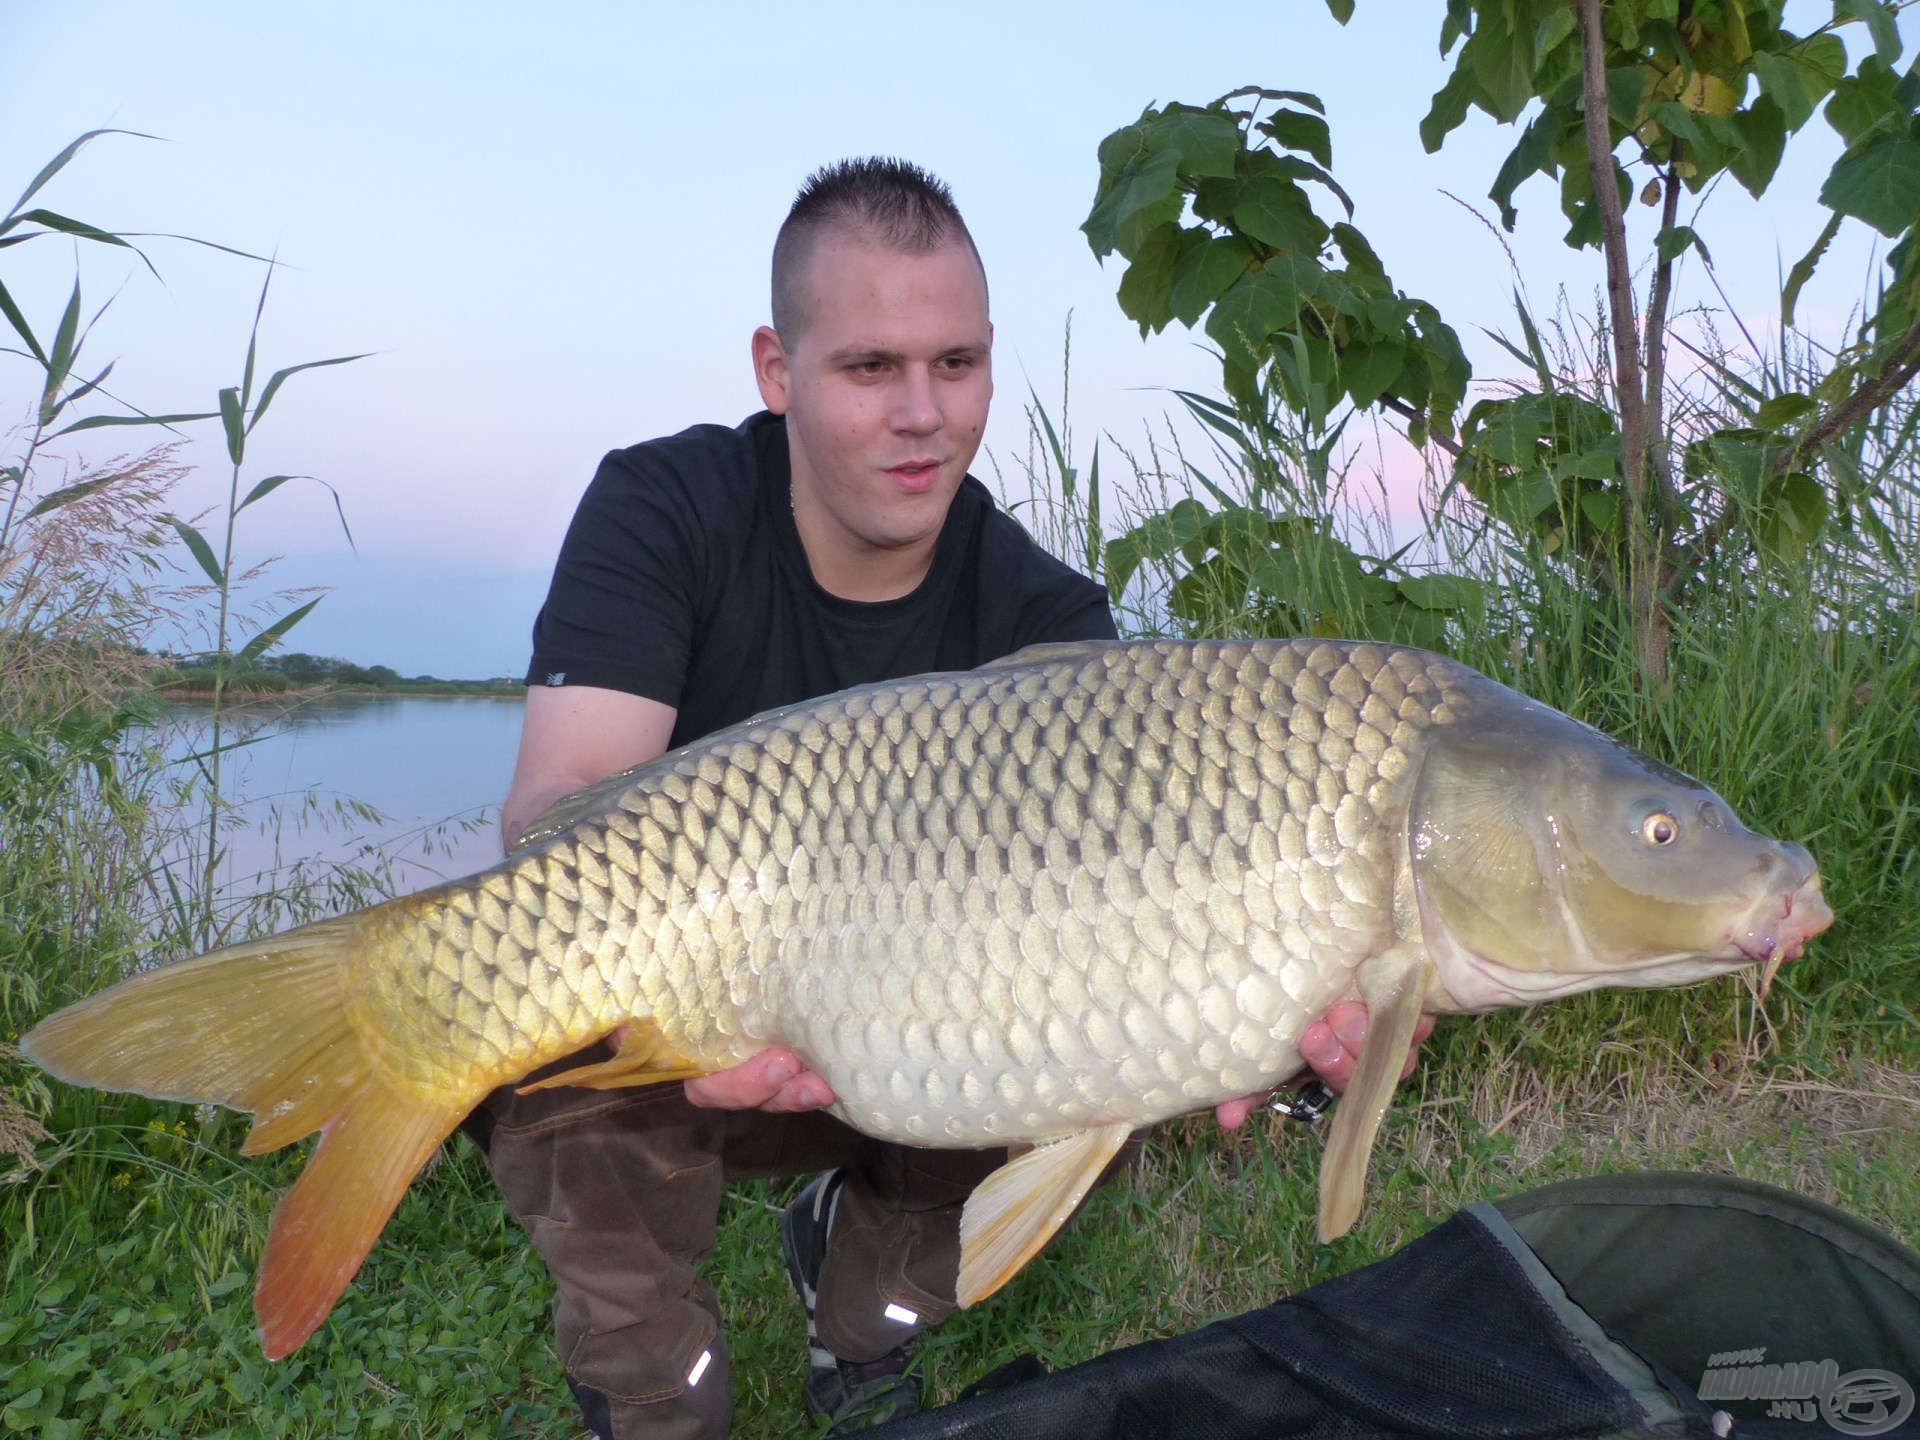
<point>297,670</point>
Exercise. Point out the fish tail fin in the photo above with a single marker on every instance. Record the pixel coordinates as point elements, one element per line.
<point>266,1027</point>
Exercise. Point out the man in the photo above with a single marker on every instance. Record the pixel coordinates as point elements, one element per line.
<point>833,540</point>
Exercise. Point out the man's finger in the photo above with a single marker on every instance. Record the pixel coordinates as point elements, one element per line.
<point>775,1081</point>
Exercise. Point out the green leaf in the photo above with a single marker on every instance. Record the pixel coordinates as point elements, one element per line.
<point>1674,240</point>
<point>1148,198</point>
<point>1342,10</point>
<point>280,377</point>
<point>202,551</point>
<point>1796,510</point>
<point>1368,371</point>
<point>1865,101</point>
<point>1276,213</point>
<point>60,362</point>
<point>1626,92</point>
<point>233,422</point>
<point>1783,410</point>
<point>1441,591</point>
<point>1206,141</point>
<point>99,422</point>
<point>1358,254</point>
<point>1253,308</point>
<point>66,495</point>
<point>1880,25</point>
<point>1530,155</point>
<point>1600,510</point>
<point>265,488</point>
<point>1880,184</point>
<point>1146,290</point>
<point>269,637</point>
<point>1803,269</point>
<point>19,323</point>
<point>1449,109</point>
<point>1763,137</point>
<point>58,163</point>
<point>1203,273</point>
<point>1298,131</point>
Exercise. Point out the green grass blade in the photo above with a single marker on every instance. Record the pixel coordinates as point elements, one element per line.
<point>269,637</point>
<point>54,166</point>
<point>100,422</point>
<point>60,362</point>
<point>19,323</point>
<point>280,378</point>
<point>202,551</point>
<point>233,423</point>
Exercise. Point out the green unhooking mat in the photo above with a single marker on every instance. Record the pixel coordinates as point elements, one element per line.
<point>1660,1304</point>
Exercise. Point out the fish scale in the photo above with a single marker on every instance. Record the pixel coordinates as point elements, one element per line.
<point>991,906</point>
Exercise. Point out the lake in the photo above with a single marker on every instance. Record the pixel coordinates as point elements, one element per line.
<point>435,768</point>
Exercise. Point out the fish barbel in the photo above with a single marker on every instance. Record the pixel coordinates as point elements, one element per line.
<point>1042,903</point>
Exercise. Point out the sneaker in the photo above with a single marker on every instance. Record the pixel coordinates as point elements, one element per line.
<point>852,1395</point>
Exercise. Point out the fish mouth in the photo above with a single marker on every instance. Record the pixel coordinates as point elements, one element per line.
<point>1769,940</point>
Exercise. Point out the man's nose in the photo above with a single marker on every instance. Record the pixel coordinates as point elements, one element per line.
<point>916,409</point>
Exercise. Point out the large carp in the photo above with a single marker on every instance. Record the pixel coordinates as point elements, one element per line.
<point>1041,903</point>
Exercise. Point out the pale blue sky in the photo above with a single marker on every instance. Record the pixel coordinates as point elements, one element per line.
<point>554,228</point>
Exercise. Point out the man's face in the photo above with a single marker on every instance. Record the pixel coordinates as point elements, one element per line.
<point>885,389</point>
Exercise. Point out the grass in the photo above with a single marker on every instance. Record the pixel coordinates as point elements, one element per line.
<point>132,1227</point>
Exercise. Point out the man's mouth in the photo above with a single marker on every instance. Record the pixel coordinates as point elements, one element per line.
<point>915,474</point>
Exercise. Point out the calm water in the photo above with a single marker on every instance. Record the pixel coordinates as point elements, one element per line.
<point>435,768</point>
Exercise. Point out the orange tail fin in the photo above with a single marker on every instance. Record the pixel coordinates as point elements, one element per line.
<point>265,1027</point>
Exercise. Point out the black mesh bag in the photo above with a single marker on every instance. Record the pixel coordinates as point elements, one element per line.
<point>1606,1308</point>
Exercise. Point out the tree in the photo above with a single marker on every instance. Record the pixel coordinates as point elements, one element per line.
<point>1209,207</point>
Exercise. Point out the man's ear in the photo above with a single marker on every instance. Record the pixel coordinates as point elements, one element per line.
<point>770,370</point>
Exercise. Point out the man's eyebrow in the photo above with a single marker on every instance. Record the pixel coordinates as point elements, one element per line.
<point>854,353</point>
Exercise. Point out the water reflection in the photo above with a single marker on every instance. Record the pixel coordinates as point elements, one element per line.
<point>434,768</point>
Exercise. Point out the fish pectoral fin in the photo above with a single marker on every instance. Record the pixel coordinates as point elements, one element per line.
<point>1394,985</point>
<point>1015,1211</point>
<point>641,1057</point>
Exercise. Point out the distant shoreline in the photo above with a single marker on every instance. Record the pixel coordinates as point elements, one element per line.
<point>241,695</point>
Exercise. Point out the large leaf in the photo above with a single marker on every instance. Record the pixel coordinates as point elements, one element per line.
<point>1532,154</point>
<point>1879,18</point>
<point>1203,273</point>
<point>1298,131</point>
<point>1865,101</point>
<point>1879,184</point>
<point>1254,307</point>
<point>1206,141</point>
<point>1276,213</point>
<point>1146,290</point>
<point>1368,370</point>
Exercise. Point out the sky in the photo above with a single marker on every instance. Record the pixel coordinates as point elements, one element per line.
<point>551,230</point>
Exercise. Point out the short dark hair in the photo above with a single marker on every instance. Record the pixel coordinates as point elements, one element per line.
<point>897,203</point>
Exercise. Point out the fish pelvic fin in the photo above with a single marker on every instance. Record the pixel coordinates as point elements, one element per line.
<point>642,1056</point>
<point>1015,1211</point>
<point>266,1026</point>
<point>1394,985</point>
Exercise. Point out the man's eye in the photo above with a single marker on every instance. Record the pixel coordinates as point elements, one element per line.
<point>867,369</point>
<point>956,364</point>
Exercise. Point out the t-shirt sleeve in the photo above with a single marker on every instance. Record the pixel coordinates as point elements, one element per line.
<point>1063,604</point>
<point>619,613</point>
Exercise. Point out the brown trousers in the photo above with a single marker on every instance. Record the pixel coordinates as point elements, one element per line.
<point>620,1192</point>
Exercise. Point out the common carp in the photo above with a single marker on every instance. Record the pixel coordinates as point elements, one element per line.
<point>1038,904</point>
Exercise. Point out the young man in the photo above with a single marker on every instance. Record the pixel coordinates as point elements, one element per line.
<point>833,540</point>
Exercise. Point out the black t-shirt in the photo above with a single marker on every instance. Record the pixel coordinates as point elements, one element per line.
<point>682,579</point>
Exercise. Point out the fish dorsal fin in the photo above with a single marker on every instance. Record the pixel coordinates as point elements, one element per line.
<point>1394,985</point>
<point>1049,650</point>
<point>1015,1210</point>
<point>569,810</point>
<point>641,1057</point>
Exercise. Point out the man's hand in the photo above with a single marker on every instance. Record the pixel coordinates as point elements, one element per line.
<point>1332,1047</point>
<point>774,1080</point>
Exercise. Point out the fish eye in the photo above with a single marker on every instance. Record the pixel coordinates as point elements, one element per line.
<point>1659,828</point>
